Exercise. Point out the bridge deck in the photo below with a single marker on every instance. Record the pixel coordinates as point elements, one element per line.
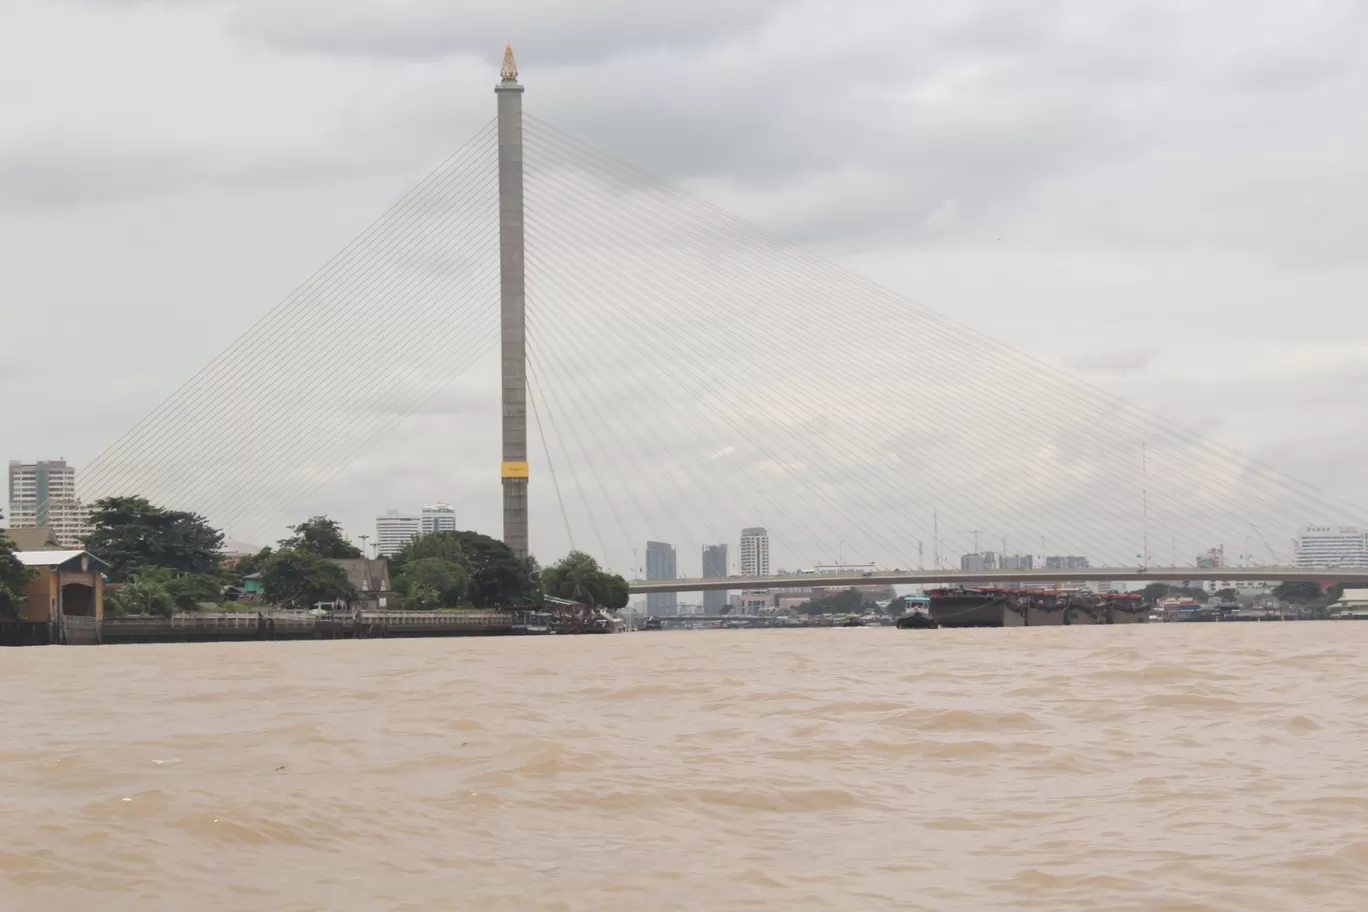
<point>998,577</point>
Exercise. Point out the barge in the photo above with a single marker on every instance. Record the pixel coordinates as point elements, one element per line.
<point>992,607</point>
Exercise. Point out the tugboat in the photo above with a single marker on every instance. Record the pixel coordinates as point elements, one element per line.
<point>652,623</point>
<point>853,621</point>
<point>917,620</point>
<point>918,613</point>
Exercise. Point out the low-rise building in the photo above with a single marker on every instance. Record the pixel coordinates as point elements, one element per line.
<point>64,602</point>
<point>371,579</point>
<point>1352,605</point>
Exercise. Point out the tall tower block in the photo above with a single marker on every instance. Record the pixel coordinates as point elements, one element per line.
<point>512,306</point>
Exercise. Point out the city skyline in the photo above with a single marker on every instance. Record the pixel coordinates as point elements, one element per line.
<point>1315,546</point>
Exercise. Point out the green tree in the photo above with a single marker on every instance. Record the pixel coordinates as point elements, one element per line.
<point>252,563</point>
<point>847,601</point>
<point>1298,592</point>
<point>300,579</point>
<point>129,532</point>
<point>1226,595</point>
<point>533,570</point>
<point>190,589</point>
<point>321,537</point>
<point>13,576</point>
<point>578,577</point>
<point>147,591</point>
<point>1332,594</point>
<point>444,545</point>
<point>495,576</point>
<point>433,582</point>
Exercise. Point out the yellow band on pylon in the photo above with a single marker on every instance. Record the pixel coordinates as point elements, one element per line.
<point>515,470</point>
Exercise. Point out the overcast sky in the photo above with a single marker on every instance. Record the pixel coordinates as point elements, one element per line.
<point>1168,198</point>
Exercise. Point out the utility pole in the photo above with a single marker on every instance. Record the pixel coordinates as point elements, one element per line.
<point>935,536</point>
<point>512,306</point>
<point>976,533</point>
<point>364,539</point>
<point>921,563</point>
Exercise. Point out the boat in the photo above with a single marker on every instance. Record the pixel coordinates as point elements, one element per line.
<point>1126,608</point>
<point>962,606</point>
<point>917,620</point>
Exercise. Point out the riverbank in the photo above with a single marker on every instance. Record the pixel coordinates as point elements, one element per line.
<point>192,627</point>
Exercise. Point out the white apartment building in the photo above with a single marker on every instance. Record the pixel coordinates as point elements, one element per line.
<point>1332,546</point>
<point>43,495</point>
<point>438,517</point>
<point>394,530</point>
<point>755,552</point>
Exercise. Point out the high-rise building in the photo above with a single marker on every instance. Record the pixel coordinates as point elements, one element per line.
<point>661,565</point>
<point>987,560</point>
<point>438,517</point>
<point>755,552</point>
<point>43,495</point>
<point>394,530</point>
<point>1066,563</point>
<point>1332,546</point>
<point>714,567</point>
<point>1016,561</point>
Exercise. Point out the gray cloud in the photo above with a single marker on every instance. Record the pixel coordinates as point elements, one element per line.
<point>1113,362</point>
<point>1164,195</point>
<point>553,33</point>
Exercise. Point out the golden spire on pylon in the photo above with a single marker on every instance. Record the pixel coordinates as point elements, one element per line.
<point>510,67</point>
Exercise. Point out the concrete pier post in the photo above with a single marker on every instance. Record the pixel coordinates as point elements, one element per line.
<point>513,307</point>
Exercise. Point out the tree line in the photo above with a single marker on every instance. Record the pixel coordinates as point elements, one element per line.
<point>170,560</point>
<point>13,577</point>
<point>847,601</point>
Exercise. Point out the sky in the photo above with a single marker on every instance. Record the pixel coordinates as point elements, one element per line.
<point>1166,199</point>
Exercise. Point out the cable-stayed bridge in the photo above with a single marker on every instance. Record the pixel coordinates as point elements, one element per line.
<point>668,371</point>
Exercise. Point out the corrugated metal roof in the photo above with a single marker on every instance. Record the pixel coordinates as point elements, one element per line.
<point>45,558</point>
<point>55,558</point>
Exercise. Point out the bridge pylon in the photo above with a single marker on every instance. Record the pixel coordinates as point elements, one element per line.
<point>512,306</point>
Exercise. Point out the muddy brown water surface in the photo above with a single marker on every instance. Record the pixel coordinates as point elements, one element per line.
<point>1154,767</point>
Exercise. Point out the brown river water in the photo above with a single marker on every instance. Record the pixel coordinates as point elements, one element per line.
<point>1157,767</point>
